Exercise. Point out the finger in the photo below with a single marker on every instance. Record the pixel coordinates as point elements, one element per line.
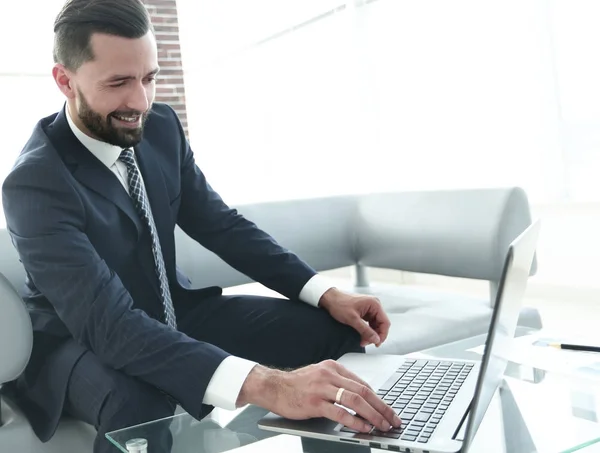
<point>341,415</point>
<point>377,319</point>
<point>375,410</point>
<point>357,403</point>
<point>381,324</point>
<point>367,334</point>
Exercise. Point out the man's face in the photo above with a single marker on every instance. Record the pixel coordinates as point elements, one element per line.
<point>112,94</point>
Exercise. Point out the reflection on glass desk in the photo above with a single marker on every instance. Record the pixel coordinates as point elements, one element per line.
<point>535,410</point>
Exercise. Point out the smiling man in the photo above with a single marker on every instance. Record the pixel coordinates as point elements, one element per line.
<point>120,338</point>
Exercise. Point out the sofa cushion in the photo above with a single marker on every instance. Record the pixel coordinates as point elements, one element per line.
<point>17,435</point>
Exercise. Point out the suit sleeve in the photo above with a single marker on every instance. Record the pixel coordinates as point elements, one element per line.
<point>205,217</point>
<point>46,220</point>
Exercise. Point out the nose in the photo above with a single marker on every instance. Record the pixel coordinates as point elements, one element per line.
<point>138,98</point>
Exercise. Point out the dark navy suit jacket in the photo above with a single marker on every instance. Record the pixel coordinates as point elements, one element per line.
<point>90,270</point>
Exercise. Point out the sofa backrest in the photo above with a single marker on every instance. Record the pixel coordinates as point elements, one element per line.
<point>457,233</point>
<point>320,230</point>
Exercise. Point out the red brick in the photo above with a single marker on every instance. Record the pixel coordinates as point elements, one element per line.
<point>171,80</point>
<point>166,71</point>
<point>161,21</point>
<point>169,46</point>
<point>160,28</point>
<point>170,86</point>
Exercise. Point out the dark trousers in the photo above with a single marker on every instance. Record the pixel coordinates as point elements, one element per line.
<point>272,332</point>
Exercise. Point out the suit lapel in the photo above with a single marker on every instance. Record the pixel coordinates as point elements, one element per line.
<point>89,171</point>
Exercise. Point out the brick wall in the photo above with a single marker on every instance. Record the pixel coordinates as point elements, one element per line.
<point>169,86</point>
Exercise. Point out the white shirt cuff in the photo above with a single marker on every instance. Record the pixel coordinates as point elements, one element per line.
<point>226,383</point>
<point>314,289</point>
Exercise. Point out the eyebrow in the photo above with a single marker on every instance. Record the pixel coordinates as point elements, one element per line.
<point>120,78</point>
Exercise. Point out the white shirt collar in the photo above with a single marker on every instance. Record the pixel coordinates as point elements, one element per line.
<point>104,152</point>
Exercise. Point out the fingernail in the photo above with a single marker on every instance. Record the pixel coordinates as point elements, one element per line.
<point>375,339</point>
<point>367,428</point>
<point>397,421</point>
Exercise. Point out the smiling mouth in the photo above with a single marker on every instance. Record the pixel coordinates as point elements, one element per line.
<point>131,121</point>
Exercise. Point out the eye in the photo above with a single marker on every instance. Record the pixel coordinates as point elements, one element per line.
<point>150,79</point>
<point>116,85</point>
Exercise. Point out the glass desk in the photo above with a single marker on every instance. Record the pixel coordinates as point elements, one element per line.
<point>535,410</point>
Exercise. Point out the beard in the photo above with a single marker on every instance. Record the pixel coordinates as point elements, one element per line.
<point>104,129</point>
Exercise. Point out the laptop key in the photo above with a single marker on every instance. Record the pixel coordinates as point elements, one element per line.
<point>391,382</point>
<point>422,417</point>
<point>409,437</point>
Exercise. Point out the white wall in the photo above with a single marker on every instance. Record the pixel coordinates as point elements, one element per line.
<point>398,96</point>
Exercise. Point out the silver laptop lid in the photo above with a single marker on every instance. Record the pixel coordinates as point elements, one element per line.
<point>512,287</point>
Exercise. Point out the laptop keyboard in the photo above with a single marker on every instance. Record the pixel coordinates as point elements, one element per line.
<point>420,392</point>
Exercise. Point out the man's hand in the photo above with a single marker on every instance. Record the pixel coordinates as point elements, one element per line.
<point>364,313</point>
<point>311,392</point>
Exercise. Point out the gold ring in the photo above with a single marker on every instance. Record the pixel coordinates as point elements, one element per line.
<point>338,397</point>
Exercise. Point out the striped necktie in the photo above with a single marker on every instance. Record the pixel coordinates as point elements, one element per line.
<point>137,192</point>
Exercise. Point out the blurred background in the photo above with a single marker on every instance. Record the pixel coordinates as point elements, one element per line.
<point>307,98</point>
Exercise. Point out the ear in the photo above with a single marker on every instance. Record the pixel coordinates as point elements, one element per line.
<point>64,80</point>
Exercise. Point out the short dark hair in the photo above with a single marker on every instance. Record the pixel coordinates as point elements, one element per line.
<point>80,19</point>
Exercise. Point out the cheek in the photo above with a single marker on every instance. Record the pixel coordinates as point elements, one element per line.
<point>105,104</point>
<point>151,93</point>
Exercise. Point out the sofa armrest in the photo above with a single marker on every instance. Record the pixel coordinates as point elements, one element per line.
<point>460,233</point>
<point>16,334</point>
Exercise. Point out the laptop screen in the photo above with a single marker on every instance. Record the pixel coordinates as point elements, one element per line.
<point>503,324</point>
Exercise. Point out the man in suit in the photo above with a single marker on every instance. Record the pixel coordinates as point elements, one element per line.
<point>120,338</point>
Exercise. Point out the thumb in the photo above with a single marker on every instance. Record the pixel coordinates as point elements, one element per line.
<point>367,334</point>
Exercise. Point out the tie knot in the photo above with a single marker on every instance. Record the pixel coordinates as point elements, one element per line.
<point>127,156</point>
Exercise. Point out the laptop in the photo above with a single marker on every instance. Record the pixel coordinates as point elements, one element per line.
<point>441,402</point>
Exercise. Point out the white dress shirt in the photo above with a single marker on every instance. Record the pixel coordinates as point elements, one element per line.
<point>225,385</point>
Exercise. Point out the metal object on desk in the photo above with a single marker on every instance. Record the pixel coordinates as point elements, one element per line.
<point>138,445</point>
